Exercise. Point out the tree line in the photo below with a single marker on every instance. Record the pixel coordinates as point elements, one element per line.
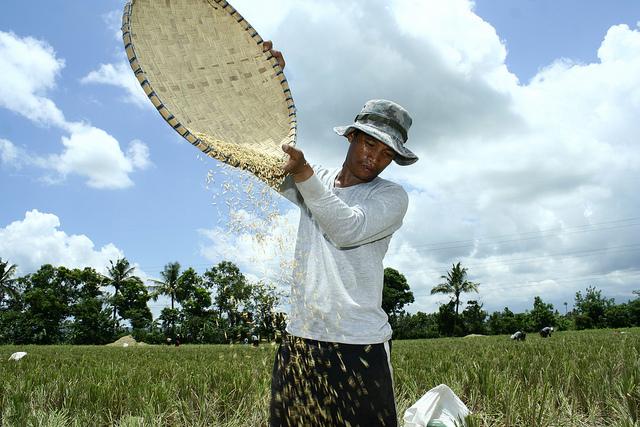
<point>58,305</point>
<point>590,310</point>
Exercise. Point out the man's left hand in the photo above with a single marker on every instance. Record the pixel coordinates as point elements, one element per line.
<point>268,46</point>
<point>297,164</point>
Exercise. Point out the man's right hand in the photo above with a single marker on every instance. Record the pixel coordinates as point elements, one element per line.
<point>297,164</point>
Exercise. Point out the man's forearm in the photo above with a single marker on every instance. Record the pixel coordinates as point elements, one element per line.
<point>303,174</point>
<point>347,226</point>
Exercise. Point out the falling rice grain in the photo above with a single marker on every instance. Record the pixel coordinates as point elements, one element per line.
<point>267,166</point>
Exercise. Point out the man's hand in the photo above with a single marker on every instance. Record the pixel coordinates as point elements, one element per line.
<point>267,45</point>
<point>296,165</point>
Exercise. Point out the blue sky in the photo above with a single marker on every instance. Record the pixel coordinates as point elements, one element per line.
<point>523,119</point>
<point>537,32</point>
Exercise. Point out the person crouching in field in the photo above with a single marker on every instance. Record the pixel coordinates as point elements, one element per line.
<point>546,331</point>
<point>333,366</point>
<point>519,336</point>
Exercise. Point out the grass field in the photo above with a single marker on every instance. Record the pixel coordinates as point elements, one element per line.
<point>589,378</point>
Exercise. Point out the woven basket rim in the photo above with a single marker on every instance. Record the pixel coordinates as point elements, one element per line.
<point>167,115</point>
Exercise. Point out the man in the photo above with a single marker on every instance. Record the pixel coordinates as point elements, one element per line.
<point>333,368</point>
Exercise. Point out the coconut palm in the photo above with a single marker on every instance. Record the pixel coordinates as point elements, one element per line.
<point>118,274</point>
<point>169,284</point>
<point>6,279</point>
<point>455,283</point>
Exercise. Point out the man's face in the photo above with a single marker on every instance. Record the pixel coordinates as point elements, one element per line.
<point>367,157</point>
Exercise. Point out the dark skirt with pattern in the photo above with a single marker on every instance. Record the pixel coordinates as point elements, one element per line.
<point>316,383</point>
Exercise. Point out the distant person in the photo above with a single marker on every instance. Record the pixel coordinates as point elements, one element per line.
<point>519,336</point>
<point>178,341</point>
<point>546,331</point>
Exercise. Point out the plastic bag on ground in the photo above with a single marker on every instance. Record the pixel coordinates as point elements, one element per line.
<point>17,355</point>
<point>438,407</point>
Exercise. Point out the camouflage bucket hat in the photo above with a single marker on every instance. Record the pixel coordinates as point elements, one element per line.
<point>387,122</point>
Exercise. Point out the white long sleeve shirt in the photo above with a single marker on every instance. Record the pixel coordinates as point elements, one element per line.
<point>343,236</point>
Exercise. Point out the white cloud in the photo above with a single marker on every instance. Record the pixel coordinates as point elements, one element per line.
<point>508,170</point>
<point>268,15</point>
<point>113,21</point>
<point>119,75</point>
<point>88,152</point>
<point>339,55</point>
<point>37,239</point>
<point>9,153</point>
<point>29,68</point>
<point>93,153</point>
<point>474,53</point>
<point>497,157</point>
<point>138,154</point>
<point>620,44</point>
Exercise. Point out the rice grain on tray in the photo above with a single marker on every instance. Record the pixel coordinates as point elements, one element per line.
<point>264,165</point>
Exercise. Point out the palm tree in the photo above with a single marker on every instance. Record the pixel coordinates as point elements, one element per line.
<point>169,285</point>
<point>455,283</point>
<point>6,279</point>
<point>118,274</point>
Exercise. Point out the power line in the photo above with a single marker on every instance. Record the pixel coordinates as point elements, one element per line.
<point>573,254</point>
<point>637,218</point>
<point>444,245</point>
<point>567,279</point>
<point>539,234</point>
<point>398,252</point>
<point>461,244</point>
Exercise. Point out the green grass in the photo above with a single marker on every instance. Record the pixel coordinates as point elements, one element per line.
<point>589,378</point>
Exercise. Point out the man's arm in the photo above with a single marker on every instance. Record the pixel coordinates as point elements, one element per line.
<point>297,169</point>
<point>349,226</point>
<point>289,191</point>
<point>346,226</point>
<point>297,165</point>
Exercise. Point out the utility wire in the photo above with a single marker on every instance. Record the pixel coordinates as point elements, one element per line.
<point>457,244</point>
<point>514,261</point>
<point>461,244</point>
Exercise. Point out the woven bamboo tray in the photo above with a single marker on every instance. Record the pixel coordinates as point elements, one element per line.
<point>203,68</point>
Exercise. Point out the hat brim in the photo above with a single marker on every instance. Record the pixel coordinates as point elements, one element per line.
<point>404,156</point>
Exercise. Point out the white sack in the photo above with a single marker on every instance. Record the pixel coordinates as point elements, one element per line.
<point>440,403</point>
<point>18,355</point>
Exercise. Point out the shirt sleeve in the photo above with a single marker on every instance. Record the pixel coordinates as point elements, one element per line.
<point>371,219</point>
<point>289,191</point>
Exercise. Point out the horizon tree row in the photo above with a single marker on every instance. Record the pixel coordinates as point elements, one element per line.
<point>57,305</point>
<point>61,305</point>
<point>591,311</point>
